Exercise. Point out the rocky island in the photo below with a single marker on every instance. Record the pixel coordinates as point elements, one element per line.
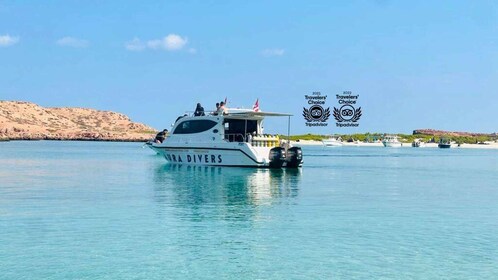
<point>28,121</point>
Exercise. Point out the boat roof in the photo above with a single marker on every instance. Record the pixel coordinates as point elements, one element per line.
<point>242,114</point>
<point>251,113</point>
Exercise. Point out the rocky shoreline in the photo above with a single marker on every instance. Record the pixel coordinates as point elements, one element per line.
<point>435,132</point>
<point>37,137</point>
<point>27,121</point>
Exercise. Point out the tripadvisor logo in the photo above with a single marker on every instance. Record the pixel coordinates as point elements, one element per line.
<point>347,114</point>
<point>316,114</point>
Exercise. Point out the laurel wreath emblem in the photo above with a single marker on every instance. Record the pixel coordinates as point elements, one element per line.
<point>326,115</point>
<point>337,115</point>
<point>307,115</point>
<point>357,115</point>
<point>355,118</point>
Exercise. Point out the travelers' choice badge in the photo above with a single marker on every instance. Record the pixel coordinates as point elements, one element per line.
<point>316,114</point>
<point>347,114</point>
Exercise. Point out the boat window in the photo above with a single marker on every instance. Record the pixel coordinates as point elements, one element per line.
<point>194,126</point>
<point>236,130</point>
<point>240,126</point>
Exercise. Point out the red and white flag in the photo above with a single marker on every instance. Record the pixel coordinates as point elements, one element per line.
<point>255,108</point>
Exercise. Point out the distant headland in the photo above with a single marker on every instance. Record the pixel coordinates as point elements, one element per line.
<point>434,132</point>
<point>28,121</point>
<point>426,135</point>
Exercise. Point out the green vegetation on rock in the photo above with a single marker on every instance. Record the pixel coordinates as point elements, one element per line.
<point>406,138</point>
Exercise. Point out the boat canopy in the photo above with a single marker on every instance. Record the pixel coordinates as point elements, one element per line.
<point>250,113</point>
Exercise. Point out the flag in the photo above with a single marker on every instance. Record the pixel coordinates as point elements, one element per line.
<point>255,108</point>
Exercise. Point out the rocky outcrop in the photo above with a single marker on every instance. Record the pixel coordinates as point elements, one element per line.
<point>449,133</point>
<point>28,121</point>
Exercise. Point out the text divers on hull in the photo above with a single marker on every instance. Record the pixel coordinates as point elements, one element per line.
<point>231,138</point>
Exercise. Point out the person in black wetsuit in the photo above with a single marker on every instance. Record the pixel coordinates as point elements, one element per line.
<point>199,110</point>
<point>161,136</point>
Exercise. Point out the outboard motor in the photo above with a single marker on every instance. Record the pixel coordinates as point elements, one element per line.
<point>277,157</point>
<point>294,157</point>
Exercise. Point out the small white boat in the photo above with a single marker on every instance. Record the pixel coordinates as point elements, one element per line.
<point>391,141</point>
<point>417,143</point>
<point>332,142</point>
<point>233,139</point>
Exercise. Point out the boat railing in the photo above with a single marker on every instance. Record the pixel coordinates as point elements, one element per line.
<point>263,140</point>
<point>206,113</point>
<point>235,137</point>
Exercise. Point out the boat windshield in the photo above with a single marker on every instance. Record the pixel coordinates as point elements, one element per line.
<point>194,126</point>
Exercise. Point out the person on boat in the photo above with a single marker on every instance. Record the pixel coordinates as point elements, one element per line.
<point>199,110</point>
<point>222,110</point>
<point>249,138</point>
<point>215,113</point>
<point>161,136</point>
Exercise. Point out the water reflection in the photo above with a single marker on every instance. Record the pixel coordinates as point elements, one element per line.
<point>221,192</point>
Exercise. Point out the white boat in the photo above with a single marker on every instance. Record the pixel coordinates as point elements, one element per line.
<point>332,142</point>
<point>391,141</point>
<point>417,143</point>
<point>233,139</point>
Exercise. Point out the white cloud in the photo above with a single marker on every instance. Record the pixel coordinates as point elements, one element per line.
<point>72,42</point>
<point>135,45</point>
<point>7,40</point>
<point>172,42</point>
<point>273,52</point>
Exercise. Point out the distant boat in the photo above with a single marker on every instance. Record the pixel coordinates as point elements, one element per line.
<point>391,141</point>
<point>417,143</point>
<point>444,143</point>
<point>332,142</point>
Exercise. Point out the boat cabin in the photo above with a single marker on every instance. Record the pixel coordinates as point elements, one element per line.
<point>238,126</point>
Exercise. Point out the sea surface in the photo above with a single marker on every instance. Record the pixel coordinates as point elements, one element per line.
<point>99,210</point>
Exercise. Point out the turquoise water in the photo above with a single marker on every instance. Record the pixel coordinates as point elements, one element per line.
<point>95,210</point>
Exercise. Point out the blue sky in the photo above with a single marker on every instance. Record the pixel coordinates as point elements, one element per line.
<point>431,64</point>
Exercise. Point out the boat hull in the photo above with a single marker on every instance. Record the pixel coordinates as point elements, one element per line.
<point>392,144</point>
<point>332,144</point>
<point>444,146</point>
<point>236,156</point>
